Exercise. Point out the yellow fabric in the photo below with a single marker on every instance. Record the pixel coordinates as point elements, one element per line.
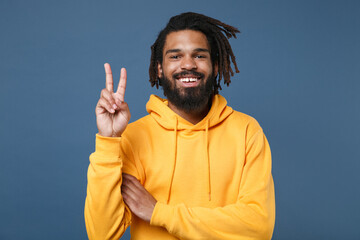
<point>212,180</point>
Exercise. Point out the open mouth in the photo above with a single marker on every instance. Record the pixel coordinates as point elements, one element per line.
<point>189,79</point>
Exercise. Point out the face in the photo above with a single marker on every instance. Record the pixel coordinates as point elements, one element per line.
<point>187,73</point>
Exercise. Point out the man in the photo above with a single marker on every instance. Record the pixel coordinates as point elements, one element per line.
<point>193,168</point>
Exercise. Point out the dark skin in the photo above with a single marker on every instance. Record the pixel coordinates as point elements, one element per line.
<point>183,50</point>
<point>140,201</point>
<point>187,50</point>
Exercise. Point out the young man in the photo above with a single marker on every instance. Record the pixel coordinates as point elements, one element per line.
<point>193,168</point>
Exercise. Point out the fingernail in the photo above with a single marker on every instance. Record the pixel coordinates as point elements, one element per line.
<point>114,106</point>
<point>112,110</point>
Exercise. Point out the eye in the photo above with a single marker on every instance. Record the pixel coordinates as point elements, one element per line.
<point>174,56</point>
<point>200,56</point>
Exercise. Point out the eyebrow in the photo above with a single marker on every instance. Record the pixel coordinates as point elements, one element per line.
<point>202,50</point>
<point>179,50</point>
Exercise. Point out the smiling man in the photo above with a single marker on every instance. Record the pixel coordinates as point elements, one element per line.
<point>191,88</point>
<point>193,168</point>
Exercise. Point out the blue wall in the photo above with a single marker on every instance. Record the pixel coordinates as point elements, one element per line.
<point>300,68</point>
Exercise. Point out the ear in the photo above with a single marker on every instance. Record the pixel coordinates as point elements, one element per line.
<point>159,70</point>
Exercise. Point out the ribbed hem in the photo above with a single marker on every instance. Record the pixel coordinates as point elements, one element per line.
<point>107,146</point>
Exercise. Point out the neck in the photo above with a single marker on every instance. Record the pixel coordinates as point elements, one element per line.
<point>193,116</point>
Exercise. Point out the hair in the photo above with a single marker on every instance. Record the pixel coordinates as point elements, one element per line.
<point>214,30</point>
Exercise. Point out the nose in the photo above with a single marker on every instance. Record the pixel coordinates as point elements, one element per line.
<point>188,63</point>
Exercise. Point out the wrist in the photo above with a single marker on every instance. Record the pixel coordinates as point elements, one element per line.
<point>116,134</point>
<point>109,135</point>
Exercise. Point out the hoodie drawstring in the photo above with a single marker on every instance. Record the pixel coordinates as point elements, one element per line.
<point>175,154</point>
<point>207,156</point>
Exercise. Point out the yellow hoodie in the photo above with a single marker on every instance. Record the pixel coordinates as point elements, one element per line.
<point>212,180</point>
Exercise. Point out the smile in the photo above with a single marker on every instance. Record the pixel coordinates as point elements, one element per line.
<point>186,80</point>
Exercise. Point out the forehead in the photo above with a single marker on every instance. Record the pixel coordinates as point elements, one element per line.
<point>186,40</point>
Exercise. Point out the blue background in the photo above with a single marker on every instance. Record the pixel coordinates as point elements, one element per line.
<point>300,68</point>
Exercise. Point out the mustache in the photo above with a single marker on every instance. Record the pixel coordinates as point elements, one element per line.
<point>185,73</point>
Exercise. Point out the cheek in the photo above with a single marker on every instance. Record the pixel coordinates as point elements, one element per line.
<point>207,68</point>
<point>169,70</point>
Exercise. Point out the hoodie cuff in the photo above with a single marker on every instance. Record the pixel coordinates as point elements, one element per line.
<point>162,216</point>
<point>107,146</point>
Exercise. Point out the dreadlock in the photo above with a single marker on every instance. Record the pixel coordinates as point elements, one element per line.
<point>214,31</point>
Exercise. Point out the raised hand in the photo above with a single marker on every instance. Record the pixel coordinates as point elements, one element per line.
<point>112,112</point>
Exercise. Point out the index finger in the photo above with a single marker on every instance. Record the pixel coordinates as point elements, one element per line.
<point>122,85</point>
<point>109,78</point>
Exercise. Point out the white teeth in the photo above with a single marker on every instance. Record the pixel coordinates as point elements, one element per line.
<point>188,80</point>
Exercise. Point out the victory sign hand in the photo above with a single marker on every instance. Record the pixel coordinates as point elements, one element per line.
<point>112,112</point>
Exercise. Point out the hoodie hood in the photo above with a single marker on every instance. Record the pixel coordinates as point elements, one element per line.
<point>158,109</point>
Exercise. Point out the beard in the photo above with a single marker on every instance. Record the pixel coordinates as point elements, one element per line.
<point>190,98</point>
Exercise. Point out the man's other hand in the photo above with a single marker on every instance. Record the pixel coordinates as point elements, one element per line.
<point>140,201</point>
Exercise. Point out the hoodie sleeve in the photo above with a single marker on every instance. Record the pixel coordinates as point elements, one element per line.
<point>106,215</point>
<point>252,216</point>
